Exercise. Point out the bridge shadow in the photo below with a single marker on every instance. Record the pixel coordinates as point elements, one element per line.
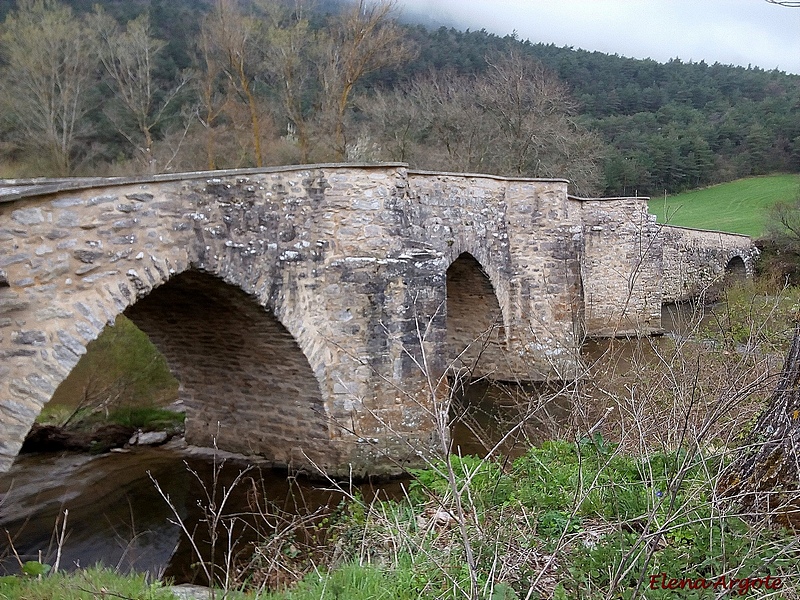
<point>475,326</point>
<point>735,270</point>
<point>488,399</point>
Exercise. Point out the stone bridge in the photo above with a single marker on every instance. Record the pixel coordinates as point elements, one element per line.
<point>314,314</point>
<point>696,261</point>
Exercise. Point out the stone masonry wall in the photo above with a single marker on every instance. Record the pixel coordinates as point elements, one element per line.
<point>305,309</point>
<point>238,366</point>
<point>621,267</point>
<point>695,260</point>
<point>319,249</point>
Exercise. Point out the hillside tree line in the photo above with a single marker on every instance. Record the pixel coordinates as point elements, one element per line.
<point>156,86</point>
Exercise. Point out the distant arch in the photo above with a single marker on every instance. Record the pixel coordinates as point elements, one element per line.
<point>476,328</point>
<point>735,270</point>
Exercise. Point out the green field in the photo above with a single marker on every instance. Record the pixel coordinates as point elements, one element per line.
<point>738,207</point>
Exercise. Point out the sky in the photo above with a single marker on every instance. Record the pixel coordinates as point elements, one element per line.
<point>738,32</point>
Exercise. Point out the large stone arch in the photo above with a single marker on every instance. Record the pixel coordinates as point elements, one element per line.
<point>246,382</point>
<point>74,263</point>
<point>476,324</point>
<point>308,254</point>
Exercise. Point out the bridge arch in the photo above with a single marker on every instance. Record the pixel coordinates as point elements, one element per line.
<point>736,268</point>
<point>210,327</point>
<point>245,380</point>
<point>476,324</point>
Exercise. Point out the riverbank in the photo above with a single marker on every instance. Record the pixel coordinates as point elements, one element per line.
<point>565,520</point>
<point>622,504</point>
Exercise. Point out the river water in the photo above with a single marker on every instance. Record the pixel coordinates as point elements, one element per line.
<point>117,517</point>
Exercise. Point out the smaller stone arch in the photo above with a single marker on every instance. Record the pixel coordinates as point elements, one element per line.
<point>476,328</point>
<point>736,270</point>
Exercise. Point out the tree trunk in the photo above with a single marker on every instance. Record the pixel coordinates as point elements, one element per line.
<point>764,477</point>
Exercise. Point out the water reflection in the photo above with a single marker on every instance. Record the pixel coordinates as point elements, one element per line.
<point>506,417</point>
<point>117,518</point>
<point>115,515</point>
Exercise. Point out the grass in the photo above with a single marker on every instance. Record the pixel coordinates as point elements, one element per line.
<point>120,370</point>
<point>737,207</point>
<point>593,515</point>
<point>566,520</point>
<point>87,584</point>
<point>147,418</point>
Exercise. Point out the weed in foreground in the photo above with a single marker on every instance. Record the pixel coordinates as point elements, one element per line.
<point>88,584</point>
<point>568,520</point>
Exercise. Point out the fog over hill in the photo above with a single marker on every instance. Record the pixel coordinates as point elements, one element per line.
<point>737,32</point>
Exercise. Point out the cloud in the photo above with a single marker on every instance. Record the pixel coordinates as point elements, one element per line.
<point>743,32</point>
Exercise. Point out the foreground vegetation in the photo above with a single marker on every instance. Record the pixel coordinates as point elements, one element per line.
<point>622,503</point>
<point>741,206</point>
<point>87,584</point>
<point>566,520</point>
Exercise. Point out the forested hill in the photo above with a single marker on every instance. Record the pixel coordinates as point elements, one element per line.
<point>669,126</point>
<point>658,126</point>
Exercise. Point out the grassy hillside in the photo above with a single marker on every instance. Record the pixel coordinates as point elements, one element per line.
<point>738,207</point>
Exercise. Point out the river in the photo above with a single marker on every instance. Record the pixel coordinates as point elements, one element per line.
<point>117,517</point>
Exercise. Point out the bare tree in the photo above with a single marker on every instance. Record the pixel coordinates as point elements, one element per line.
<point>128,58</point>
<point>360,41</point>
<point>789,3</point>
<point>310,72</point>
<point>433,122</point>
<point>208,81</point>
<point>290,63</point>
<point>233,45</point>
<point>49,67</point>
<point>534,116</point>
<point>395,124</point>
<point>783,225</point>
<point>516,119</point>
